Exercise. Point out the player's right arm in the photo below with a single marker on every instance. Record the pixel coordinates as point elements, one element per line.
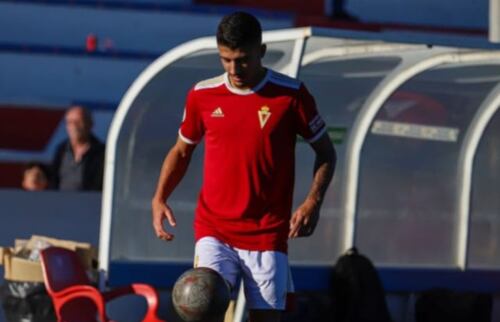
<point>172,171</point>
<point>175,165</point>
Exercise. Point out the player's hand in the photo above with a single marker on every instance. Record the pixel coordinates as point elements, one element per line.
<point>162,211</point>
<point>304,220</point>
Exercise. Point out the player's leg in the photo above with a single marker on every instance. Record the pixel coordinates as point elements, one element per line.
<point>267,281</point>
<point>212,253</point>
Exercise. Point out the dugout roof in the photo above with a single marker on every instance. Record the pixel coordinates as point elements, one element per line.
<point>417,134</point>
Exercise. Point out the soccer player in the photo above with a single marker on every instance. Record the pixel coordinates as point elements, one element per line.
<point>249,117</point>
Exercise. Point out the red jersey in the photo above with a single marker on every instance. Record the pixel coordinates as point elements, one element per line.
<point>250,136</point>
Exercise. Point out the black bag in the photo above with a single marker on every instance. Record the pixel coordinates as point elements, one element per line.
<point>437,305</point>
<point>357,293</point>
<point>26,301</point>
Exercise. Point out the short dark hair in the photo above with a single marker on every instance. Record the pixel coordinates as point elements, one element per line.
<point>238,30</point>
<point>87,115</point>
<point>35,164</point>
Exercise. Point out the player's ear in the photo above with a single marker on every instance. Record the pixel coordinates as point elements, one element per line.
<point>263,49</point>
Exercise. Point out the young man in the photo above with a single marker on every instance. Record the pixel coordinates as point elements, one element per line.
<point>250,117</point>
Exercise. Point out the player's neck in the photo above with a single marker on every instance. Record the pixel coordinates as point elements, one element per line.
<point>259,76</point>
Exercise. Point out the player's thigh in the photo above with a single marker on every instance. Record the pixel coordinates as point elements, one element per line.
<point>212,253</point>
<point>267,279</point>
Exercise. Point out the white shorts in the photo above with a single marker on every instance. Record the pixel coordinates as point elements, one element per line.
<point>266,274</point>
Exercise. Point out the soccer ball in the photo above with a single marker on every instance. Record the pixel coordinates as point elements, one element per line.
<point>201,294</point>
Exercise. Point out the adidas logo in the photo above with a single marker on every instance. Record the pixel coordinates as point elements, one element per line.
<point>218,112</point>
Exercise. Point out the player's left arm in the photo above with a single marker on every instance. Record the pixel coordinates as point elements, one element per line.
<point>306,216</point>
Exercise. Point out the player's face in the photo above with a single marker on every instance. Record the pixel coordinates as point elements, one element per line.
<point>243,65</point>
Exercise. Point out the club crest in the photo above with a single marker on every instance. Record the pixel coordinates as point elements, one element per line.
<point>264,115</point>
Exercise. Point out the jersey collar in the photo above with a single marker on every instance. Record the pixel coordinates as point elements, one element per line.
<point>249,91</point>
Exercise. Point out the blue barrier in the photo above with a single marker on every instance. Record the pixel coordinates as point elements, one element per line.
<point>317,278</point>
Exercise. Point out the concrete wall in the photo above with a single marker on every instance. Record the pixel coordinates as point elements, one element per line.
<point>59,79</point>
<point>63,215</point>
<point>66,215</point>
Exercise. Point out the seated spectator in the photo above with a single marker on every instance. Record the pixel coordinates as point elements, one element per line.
<point>79,161</point>
<point>35,177</point>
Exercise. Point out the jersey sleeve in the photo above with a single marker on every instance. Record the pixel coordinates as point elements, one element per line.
<point>191,130</point>
<point>310,125</point>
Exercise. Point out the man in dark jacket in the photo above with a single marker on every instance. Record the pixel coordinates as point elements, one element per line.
<point>79,161</point>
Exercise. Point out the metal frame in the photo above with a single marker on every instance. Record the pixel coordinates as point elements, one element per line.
<point>410,66</point>
<point>408,59</point>
<point>466,165</point>
<point>494,24</point>
<point>407,70</point>
<point>298,51</point>
<point>361,49</point>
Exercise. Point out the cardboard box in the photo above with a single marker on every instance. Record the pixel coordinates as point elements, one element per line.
<point>17,267</point>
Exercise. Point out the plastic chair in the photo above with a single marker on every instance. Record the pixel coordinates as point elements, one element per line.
<point>75,299</point>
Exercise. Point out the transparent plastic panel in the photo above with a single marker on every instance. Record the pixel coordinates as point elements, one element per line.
<point>148,132</point>
<point>340,87</point>
<point>484,243</point>
<point>150,129</point>
<point>315,44</point>
<point>407,190</point>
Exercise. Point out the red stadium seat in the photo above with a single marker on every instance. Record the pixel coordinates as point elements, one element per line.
<point>75,299</point>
